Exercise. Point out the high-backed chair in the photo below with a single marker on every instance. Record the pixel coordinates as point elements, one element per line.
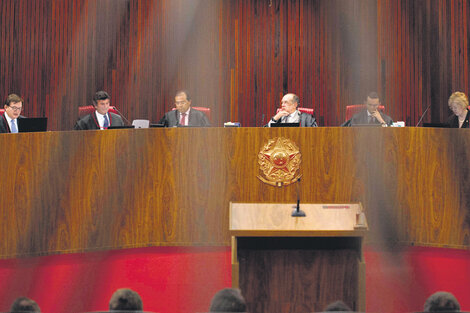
<point>2,111</point>
<point>206,111</point>
<point>356,108</point>
<point>87,109</point>
<point>302,110</point>
<point>306,110</point>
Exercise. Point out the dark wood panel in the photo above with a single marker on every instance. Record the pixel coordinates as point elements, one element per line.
<point>423,56</point>
<point>76,191</point>
<point>237,57</point>
<point>298,274</point>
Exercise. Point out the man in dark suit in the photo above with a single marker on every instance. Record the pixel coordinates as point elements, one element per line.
<point>371,115</point>
<point>100,118</point>
<point>290,114</point>
<point>13,107</point>
<point>184,115</point>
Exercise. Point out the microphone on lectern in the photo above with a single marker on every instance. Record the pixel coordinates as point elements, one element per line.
<point>297,212</point>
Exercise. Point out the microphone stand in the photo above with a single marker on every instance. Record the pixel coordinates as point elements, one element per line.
<point>128,123</point>
<point>422,116</point>
<point>297,212</point>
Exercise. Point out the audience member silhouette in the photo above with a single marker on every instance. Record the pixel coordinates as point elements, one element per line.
<point>442,301</point>
<point>228,300</point>
<point>23,304</point>
<point>125,300</point>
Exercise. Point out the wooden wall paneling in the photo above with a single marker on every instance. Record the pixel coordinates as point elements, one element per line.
<point>465,25</point>
<point>417,97</point>
<point>297,274</point>
<point>128,47</point>
<point>236,56</point>
<point>406,61</point>
<point>101,190</point>
<point>439,43</point>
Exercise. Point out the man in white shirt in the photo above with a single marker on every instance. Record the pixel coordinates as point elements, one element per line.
<point>100,118</point>
<point>13,107</point>
<point>289,113</point>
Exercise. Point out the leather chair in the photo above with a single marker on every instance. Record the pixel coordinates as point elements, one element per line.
<point>306,110</point>
<point>356,108</point>
<point>302,110</point>
<point>2,111</point>
<point>87,109</point>
<point>206,111</point>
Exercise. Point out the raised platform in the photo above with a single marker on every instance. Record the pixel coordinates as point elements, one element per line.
<point>84,191</point>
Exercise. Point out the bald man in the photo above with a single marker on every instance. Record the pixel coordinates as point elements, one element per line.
<point>289,113</point>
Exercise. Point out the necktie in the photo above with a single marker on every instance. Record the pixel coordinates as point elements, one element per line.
<point>106,122</point>
<point>371,119</point>
<point>13,126</point>
<point>183,119</point>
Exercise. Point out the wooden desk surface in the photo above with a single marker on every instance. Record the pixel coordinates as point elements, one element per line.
<point>274,219</point>
<point>82,191</point>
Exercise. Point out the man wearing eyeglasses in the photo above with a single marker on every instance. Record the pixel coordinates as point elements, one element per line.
<point>13,107</point>
<point>184,115</point>
<point>100,118</point>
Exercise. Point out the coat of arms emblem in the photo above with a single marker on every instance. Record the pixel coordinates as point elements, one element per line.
<point>279,161</point>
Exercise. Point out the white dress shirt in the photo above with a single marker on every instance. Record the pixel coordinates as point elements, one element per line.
<point>100,118</point>
<point>9,121</point>
<point>186,118</point>
<point>294,117</point>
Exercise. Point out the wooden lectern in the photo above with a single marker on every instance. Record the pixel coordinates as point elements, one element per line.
<point>298,264</point>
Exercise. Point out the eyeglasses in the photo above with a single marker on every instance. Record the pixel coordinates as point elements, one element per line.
<point>16,108</point>
<point>180,102</point>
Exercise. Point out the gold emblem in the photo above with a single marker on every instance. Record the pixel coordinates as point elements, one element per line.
<point>279,160</point>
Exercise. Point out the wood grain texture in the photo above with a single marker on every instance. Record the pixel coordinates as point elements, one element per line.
<point>237,57</point>
<point>422,56</point>
<point>267,220</point>
<point>79,191</point>
<point>298,274</point>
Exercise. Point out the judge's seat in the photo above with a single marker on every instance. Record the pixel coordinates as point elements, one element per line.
<point>206,111</point>
<point>356,108</point>
<point>87,109</point>
<point>301,110</point>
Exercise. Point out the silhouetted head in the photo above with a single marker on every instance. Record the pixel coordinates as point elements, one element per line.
<point>125,300</point>
<point>228,300</point>
<point>442,301</point>
<point>23,304</point>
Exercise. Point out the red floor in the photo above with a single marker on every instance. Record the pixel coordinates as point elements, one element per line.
<point>174,280</point>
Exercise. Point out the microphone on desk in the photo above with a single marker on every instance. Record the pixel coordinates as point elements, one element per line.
<point>297,212</point>
<point>122,115</point>
<point>422,116</point>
